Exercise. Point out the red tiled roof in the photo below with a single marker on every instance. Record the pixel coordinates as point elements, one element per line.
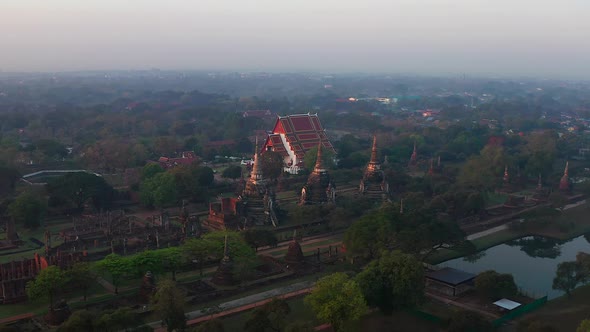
<point>302,132</point>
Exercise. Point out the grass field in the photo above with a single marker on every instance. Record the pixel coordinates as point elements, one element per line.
<point>563,313</point>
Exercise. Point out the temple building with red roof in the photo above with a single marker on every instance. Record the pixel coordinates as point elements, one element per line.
<point>293,136</point>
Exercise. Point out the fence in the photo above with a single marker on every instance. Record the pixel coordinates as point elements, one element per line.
<point>520,311</point>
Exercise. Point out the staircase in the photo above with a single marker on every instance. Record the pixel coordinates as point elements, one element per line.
<point>255,212</point>
<point>373,191</point>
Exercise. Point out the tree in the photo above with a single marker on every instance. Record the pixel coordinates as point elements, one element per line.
<point>336,299</point>
<point>120,319</point>
<point>159,190</point>
<point>259,238</point>
<point>212,325</point>
<point>311,157</point>
<point>584,326</point>
<point>52,149</point>
<point>46,284</point>
<point>232,172</point>
<point>483,172</point>
<point>117,267</point>
<point>393,282</point>
<point>171,259</point>
<point>271,316</point>
<point>198,249</point>
<point>467,321</point>
<point>368,236</point>
<point>8,178</point>
<point>27,210</point>
<point>568,276</point>
<point>272,164</point>
<point>81,320</point>
<point>79,187</point>
<point>168,303</point>
<point>81,276</point>
<point>148,260</point>
<point>494,285</point>
<point>150,170</point>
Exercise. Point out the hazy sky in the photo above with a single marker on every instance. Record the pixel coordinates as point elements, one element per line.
<point>502,37</point>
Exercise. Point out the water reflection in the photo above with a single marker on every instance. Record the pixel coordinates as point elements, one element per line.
<point>474,257</point>
<point>531,260</point>
<point>537,246</point>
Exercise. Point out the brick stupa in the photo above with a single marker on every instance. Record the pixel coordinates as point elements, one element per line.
<point>373,183</point>
<point>319,188</point>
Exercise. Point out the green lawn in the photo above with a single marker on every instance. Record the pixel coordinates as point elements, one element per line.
<point>564,313</point>
<point>495,199</point>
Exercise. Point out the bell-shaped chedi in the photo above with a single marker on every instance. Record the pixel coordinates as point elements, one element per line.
<point>224,275</point>
<point>319,188</point>
<point>564,183</point>
<point>373,183</point>
<point>294,257</point>
<point>256,205</point>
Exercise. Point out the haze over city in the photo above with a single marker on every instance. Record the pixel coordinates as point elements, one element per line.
<point>494,38</point>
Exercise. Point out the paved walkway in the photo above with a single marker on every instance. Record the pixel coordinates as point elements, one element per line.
<point>243,304</point>
<point>573,205</point>
<point>486,232</point>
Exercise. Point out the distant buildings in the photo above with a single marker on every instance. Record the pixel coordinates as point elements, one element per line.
<point>257,114</point>
<point>186,158</point>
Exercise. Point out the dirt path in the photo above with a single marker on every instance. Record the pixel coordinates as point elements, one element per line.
<point>461,305</point>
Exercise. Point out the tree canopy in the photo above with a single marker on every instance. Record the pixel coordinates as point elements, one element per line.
<point>159,190</point>
<point>169,305</point>
<point>28,209</point>
<point>393,282</point>
<point>337,299</point>
<point>494,285</point>
<point>80,187</point>
<point>46,284</point>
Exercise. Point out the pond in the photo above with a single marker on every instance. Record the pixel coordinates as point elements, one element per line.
<point>531,260</point>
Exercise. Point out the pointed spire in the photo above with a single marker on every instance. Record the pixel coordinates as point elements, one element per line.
<point>401,206</point>
<point>438,162</point>
<point>374,159</point>
<point>256,174</point>
<point>539,183</point>
<point>374,164</point>
<point>431,168</point>
<point>225,249</point>
<point>564,183</point>
<point>319,166</point>
<point>414,156</point>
